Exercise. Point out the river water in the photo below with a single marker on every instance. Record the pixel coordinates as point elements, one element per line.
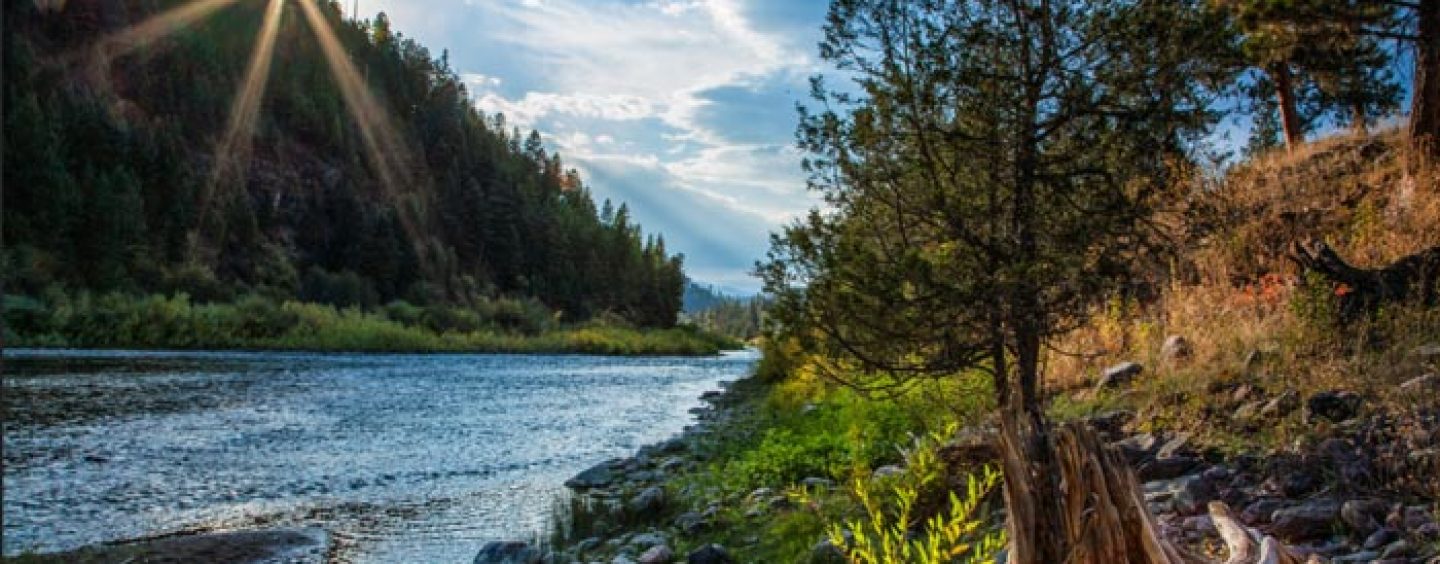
<point>401,458</point>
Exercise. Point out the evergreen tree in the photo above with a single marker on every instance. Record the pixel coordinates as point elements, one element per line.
<point>990,184</point>
<point>104,182</point>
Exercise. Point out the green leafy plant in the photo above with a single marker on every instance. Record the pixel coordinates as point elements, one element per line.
<point>887,534</point>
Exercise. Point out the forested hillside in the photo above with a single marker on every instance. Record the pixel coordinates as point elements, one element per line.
<point>114,176</point>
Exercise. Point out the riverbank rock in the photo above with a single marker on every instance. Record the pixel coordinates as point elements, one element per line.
<point>1175,349</point>
<point>1282,405</point>
<point>658,554</point>
<point>1310,520</point>
<point>598,476</point>
<point>507,552</point>
<point>648,501</point>
<point>1429,352</point>
<point>1334,406</point>
<point>1429,383</point>
<point>709,554</point>
<point>691,523</point>
<point>1363,515</point>
<point>1118,375</point>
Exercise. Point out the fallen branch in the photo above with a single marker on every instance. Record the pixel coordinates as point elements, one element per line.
<point>1413,278</point>
<point>1246,545</point>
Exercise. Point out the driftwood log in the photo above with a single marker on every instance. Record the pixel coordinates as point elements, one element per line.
<point>1246,545</point>
<point>1413,278</point>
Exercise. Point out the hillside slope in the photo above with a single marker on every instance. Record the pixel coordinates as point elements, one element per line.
<point>112,156</point>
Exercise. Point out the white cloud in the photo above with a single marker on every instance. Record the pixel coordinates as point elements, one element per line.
<point>536,105</point>
<point>479,81</point>
<point>625,90</point>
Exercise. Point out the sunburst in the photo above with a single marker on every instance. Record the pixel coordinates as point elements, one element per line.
<point>388,154</point>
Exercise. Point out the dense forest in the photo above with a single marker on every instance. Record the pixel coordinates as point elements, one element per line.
<point>115,179</point>
<point>713,311</point>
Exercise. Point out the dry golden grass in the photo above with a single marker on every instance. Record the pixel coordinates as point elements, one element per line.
<point>1369,198</point>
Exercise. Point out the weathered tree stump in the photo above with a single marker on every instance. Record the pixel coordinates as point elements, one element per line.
<point>1414,278</point>
<point>1105,519</point>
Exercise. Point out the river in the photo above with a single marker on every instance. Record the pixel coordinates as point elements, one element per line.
<point>401,458</point>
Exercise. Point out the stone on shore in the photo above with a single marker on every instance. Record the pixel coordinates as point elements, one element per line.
<point>598,476</point>
<point>1118,375</point>
<point>507,552</point>
<point>710,554</point>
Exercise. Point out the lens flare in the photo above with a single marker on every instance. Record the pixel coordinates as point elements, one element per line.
<point>94,63</point>
<point>233,154</point>
<point>381,141</point>
<point>388,155</point>
<point>158,27</point>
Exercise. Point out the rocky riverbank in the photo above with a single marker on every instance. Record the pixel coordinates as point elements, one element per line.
<point>630,511</point>
<point>1357,486</point>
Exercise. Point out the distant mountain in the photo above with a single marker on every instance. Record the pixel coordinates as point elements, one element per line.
<point>740,317</point>
<point>701,297</point>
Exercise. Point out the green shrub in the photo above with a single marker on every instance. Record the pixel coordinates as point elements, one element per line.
<point>891,531</point>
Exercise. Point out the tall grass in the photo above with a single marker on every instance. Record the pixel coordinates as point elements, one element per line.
<point>117,320</point>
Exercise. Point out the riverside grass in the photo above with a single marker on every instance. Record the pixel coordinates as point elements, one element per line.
<point>257,323</point>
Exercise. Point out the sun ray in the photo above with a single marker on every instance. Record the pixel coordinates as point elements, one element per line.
<point>233,154</point>
<point>94,62</point>
<point>158,27</point>
<point>388,154</point>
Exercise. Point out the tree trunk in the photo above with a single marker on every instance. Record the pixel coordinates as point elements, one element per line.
<point>1357,119</point>
<point>1285,96</point>
<point>1032,495</point>
<point>1425,95</point>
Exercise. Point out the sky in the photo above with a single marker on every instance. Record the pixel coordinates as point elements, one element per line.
<point>683,109</point>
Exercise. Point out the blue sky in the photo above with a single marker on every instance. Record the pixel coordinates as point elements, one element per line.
<point>684,109</point>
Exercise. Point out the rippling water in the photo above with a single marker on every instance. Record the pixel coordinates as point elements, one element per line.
<point>403,458</point>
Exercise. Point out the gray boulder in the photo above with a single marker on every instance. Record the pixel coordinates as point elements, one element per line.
<point>1186,495</point>
<point>649,500</point>
<point>1381,538</point>
<point>691,523</point>
<point>597,476</point>
<point>709,554</point>
<point>1176,348</point>
<point>1281,406</point>
<point>646,541</point>
<point>658,554</point>
<point>507,552</point>
<point>1260,510</point>
<point>815,482</point>
<point>1138,447</point>
<point>1422,384</point>
<point>1427,352</point>
<point>1334,406</point>
<point>1167,468</point>
<point>1311,520</point>
<point>1118,375</point>
<point>1363,515</point>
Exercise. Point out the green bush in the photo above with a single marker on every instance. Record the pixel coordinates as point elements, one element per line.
<point>785,457</point>
<point>116,320</point>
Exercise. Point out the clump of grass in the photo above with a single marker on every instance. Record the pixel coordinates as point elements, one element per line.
<point>116,320</point>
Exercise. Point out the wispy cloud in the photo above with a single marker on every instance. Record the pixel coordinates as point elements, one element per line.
<point>683,108</point>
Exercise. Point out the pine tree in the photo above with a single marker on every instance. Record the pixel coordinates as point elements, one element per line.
<point>988,186</point>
